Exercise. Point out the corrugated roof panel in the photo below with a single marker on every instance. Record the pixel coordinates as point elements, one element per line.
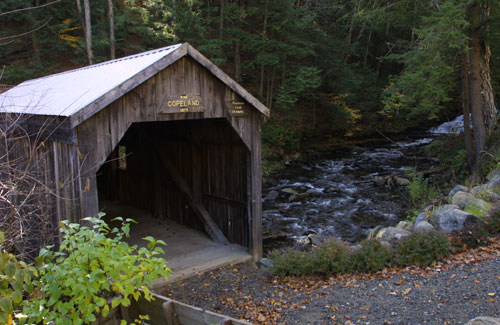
<point>66,93</point>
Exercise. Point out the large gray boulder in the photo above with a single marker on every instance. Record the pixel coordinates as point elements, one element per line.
<point>495,172</point>
<point>483,192</point>
<point>391,234</point>
<point>423,226</point>
<point>405,225</point>
<point>471,204</point>
<point>401,181</point>
<point>494,184</point>
<point>450,218</point>
<point>457,188</point>
<point>484,320</point>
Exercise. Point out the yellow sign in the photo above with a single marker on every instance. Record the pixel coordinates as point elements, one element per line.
<point>236,108</point>
<point>181,104</point>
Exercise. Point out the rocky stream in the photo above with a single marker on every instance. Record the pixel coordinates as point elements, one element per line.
<point>344,193</point>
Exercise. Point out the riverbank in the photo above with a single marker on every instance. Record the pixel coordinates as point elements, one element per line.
<point>454,291</point>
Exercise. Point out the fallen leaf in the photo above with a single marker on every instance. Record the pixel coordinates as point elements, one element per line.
<point>406,291</point>
<point>206,284</point>
<point>491,294</point>
<point>474,302</point>
<point>453,276</point>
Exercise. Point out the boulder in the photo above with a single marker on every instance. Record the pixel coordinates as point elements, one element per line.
<point>493,173</point>
<point>484,320</point>
<point>265,263</point>
<point>457,188</point>
<point>494,184</point>
<point>272,195</point>
<point>423,226</point>
<point>379,181</point>
<point>315,239</point>
<point>401,181</point>
<point>423,216</point>
<point>450,218</point>
<point>483,192</point>
<point>374,232</point>
<point>391,234</point>
<point>289,190</point>
<point>405,225</point>
<point>471,204</point>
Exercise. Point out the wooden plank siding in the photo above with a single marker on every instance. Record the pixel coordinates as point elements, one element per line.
<point>214,145</point>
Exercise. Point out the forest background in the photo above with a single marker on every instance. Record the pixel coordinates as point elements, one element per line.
<point>327,69</point>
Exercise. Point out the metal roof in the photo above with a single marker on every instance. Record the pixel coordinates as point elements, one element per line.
<point>81,93</point>
<point>66,93</point>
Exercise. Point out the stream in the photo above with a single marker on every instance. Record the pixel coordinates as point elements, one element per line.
<point>335,195</point>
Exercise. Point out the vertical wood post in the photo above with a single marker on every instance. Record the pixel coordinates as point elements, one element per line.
<point>256,198</point>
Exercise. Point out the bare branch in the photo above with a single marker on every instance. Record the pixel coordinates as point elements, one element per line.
<point>29,8</point>
<point>28,32</point>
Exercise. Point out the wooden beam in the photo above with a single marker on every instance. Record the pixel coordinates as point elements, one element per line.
<point>210,226</point>
<point>169,313</point>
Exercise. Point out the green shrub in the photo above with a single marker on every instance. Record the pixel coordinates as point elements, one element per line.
<point>421,193</point>
<point>290,262</point>
<point>422,248</point>
<point>372,256</point>
<point>92,272</point>
<point>492,222</point>
<point>331,258</point>
<point>472,237</point>
<point>15,281</point>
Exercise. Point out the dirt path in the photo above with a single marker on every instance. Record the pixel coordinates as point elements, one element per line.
<point>452,292</point>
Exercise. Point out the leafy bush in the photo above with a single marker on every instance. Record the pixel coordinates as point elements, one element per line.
<point>92,272</point>
<point>331,258</point>
<point>421,193</point>
<point>422,248</point>
<point>372,256</point>
<point>290,262</point>
<point>492,222</point>
<point>472,237</point>
<point>15,280</point>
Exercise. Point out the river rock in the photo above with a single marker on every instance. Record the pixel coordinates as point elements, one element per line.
<point>373,233</point>
<point>272,195</point>
<point>379,181</point>
<point>450,218</point>
<point>484,320</point>
<point>457,188</point>
<point>391,234</point>
<point>423,216</point>
<point>423,226</point>
<point>405,225</point>
<point>470,203</point>
<point>289,190</point>
<point>401,181</point>
<point>315,239</point>
<point>265,263</point>
<point>495,172</point>
<point>494,184</point>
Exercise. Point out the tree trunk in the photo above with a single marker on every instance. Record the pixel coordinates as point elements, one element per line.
<point>489,108</point>
<point>111,16</point>
<point>88,31</point>
<point>475,83</point>
<point>237,61</point>
<point>466,109</point>
<point>221,19</point>
<point>264,32</point>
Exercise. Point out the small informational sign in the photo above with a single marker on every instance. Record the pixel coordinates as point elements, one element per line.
<point>181,104</point>
<point>237,107</point>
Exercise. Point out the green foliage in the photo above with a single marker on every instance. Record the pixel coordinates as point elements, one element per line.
<point>472,237</point>
<point>15,281</point>
<point>372,256</point>
<point>92,272</point>
<point>421,193</point>
<point>330,258</point>
<point>422,248</point>
<point>492,222</point>
<point>290,262</point>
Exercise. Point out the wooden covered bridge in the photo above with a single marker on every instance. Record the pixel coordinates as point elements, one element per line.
<point>164,131</point>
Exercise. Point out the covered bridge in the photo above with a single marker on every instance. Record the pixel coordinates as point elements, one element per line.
<point>164,131</point>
